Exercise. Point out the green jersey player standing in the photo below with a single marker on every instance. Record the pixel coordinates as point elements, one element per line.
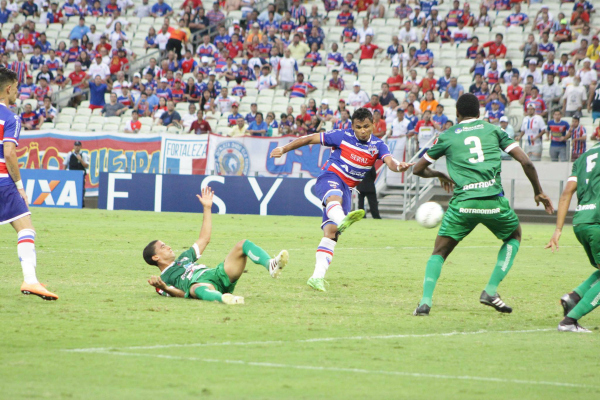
<point>183,277</point>
<point>585,180</point>
<point>473,157</point>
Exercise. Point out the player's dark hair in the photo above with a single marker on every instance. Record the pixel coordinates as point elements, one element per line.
<point>468,106</point>
<point>149,252</point>
<point>7,77</point>
<point>362,114</point>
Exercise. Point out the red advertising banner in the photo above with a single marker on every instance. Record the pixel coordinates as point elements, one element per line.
<point>107,152</point>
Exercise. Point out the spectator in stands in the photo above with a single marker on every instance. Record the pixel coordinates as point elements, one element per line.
<point>349,34</point>
<point>30,9</point>
<point>297,48</point>
<point>134,125</point>
<point>534,72</point>
<point>573,99</point>
<point>336,83</point>
<point>517,18</point>
<point>239,129</point>
<point>494,114</point>
<point>232,118</point>
<point>538,102</point>
<point>429,102</point>
<point>170,117</point>
<point>403,10</point>
<point>551,93</point>
<point>258,127</point>
<point>161,9</point>
<point>587,75</point>
<point>143,10</point>
<point>99,68</point>
<point>301,88</point>
<point>533,54</point>
<point>215,16</point>
<point>557,132</point>
<point>188,119</point>
<point>80,30</point>
<point>563,34</point>
<point>200,126</point>
<point>47,112</point>
<point>114,108</point>
<point>349,66</point>
<point>496,48</point>
<point>30,119</point>
<point>364,31</point>
<point>532,130</point>
<point>407,34</point>
<point>454,90</point>
<point>368,50</point>
<point>578,135</point>
<point>374,104</point>
<point>223,101</point>
<point>325,113</point>
<point>358,97</point>
<point>423,57</point>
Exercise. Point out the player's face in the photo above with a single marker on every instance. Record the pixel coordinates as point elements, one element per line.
<point>13,92</point>
<point>362,129</point>
<point>164,252</point>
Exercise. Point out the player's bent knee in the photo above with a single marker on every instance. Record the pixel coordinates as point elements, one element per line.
<point>197,285</point>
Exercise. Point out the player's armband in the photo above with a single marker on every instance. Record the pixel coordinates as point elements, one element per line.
<point>572,179</point>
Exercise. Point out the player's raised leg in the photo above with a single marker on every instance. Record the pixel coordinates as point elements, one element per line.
<point>235,262</point>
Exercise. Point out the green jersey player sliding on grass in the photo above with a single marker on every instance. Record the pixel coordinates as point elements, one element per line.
<point>183,277</point>
<point>473,157</point>
<point>585,180</point>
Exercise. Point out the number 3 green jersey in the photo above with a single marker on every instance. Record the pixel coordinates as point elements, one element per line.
<point>586,172</point>
<point>473,157</point>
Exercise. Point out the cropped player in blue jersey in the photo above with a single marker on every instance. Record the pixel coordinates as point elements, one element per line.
<point>13,200</point>
<point>354,153</point>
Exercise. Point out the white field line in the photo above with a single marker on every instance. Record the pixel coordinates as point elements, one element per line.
<point>313,340</point>
<point>352,370</point>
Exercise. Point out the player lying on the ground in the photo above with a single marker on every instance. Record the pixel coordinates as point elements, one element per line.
<point>13,200</point>
<point>354,152</point>
<point>473,157</point>
<point>182,277</point>
<point>585,180</point>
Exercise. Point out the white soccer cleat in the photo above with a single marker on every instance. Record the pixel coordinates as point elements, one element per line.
<point>230,299</point>
<point>565,327</point>
<point>278,263</point>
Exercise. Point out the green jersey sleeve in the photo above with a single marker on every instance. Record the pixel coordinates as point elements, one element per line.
<point>437,150</point>
<point>504,141</point>
<point>192,254</point>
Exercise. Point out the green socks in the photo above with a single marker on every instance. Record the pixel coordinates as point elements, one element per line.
<point>587,303</point>
<point>590,282</point>
<point>256,254</point>
<point>432,273</point>
<point>506,257</point>
<point>206,293</point>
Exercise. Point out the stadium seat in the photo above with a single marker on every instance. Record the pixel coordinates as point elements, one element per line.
<point>68,111</point>
<point>96,119</point>
<point>81,127</point>
<point>159,129</point>
<point>84,111</point>
<point>63,126</point>
<point>81,119</point>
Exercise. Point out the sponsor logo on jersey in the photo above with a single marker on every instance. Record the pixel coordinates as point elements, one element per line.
<point>480,210</point>
<point>232,158</point>
<point>479,185</point>
<point>333,184</point>
<point>585,207</point>
<point>468,128</point>
<point>360,159</point>
<point>458,130</point>
<point>373,149</point>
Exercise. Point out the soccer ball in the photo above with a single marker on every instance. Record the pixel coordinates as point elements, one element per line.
<point>429,215</point>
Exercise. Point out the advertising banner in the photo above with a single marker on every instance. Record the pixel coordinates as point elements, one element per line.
<point>250,156</point>
<point>57,189</point>
<point>233,194</point>
<point>107,152</point>
<point>185,155</point>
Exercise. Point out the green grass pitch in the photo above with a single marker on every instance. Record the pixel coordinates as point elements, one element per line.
<point>357,341</point>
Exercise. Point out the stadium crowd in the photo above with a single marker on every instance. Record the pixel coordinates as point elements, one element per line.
<point>303,69</point>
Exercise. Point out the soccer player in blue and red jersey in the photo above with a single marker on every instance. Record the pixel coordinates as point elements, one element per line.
<point>13,199</point>
<point>355,151</point>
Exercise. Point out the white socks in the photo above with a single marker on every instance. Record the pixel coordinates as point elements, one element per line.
<point>26,252</point>
<point>335,212</point>
<point>324,256</point>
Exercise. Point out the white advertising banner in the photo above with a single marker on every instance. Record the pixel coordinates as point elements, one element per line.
<point>183,154</point>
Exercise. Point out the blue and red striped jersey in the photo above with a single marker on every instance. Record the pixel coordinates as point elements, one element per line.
<point>352,158</point>
<point>10,129</point>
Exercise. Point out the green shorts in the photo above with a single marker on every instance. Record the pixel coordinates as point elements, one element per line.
<point>216,277</point>
<point>589,237</point>
<point>493,212</point>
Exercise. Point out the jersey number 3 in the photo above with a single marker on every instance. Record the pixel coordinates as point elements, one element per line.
<point>476,149</point>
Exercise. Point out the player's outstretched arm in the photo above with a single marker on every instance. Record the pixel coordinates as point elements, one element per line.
<point>540,197</point>
<point>206,199</point>
<point>315,138</point>
<point>563,208</point>
<point>423,170</point>
<point>159,284</point>
<point>395,165</point>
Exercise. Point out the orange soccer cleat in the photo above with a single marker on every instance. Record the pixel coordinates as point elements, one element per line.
<point>39,290</point>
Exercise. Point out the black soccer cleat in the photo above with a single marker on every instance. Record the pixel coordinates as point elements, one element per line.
<point>422,310</point>
<point>494,301</point>
<point>569,301</point>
